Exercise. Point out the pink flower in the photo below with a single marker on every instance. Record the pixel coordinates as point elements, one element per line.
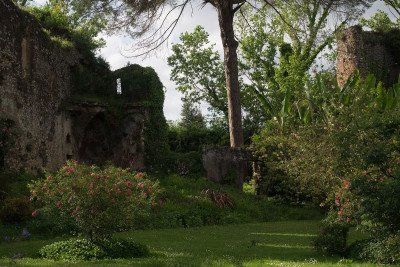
<point>35,213</point>
<point>49,178</point>
<point>70,170</point>
<point>340,212</point>
<point>128,183</point>
<point>140,185</point>
<point>348,220</point>
<point>337,201</point>
<point>58,204</point>
<point>139,175</point>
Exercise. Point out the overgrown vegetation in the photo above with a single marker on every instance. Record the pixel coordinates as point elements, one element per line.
<point>75,250</point>
<point>260,244</point>
<point>143,86</point>
<point>93,201</point>
<point>318,147</point>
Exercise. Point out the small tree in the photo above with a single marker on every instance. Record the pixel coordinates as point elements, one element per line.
<point>97,202</point>
<point>191,116</point>
<point>139,17</point>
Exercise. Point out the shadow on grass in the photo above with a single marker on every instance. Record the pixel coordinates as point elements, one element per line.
<point>271,244</point>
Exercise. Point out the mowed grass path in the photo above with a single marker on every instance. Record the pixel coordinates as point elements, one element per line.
<point>261,244</point>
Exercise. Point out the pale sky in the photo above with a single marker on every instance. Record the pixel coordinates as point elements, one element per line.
<point>116,52</point>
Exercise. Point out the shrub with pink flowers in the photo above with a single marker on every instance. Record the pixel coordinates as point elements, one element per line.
<point>368,197</point>
<point>96,201</point>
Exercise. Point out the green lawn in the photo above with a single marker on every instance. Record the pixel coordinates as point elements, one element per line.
<point>260,244</point>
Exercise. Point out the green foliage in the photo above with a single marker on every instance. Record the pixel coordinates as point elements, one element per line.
<point>124,248</point>
<point>272,148</point>
<point>54,18</point>
<point>72,250</point>
<point>191,116</point>
<point>332,238</point>
<point>97,202</point>
<point>256,244</point>
<point>14,196</point>
<point>22,2</point>
<point>198,70</point>
<point>380,22</point>
<point>325,150</point>
<point>85,250</point>
<point>15,210</point>
<point>183,139</point>
<point>282,48</point>
<point>142,85</point>
<point>185,203</point>
<point>363,162</point>
<point>387,30</point>
<point>92,75</point>
<point>381,250</point>
<point>188,138</point>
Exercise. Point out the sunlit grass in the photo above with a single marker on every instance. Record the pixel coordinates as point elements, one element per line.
<point>260,244</point>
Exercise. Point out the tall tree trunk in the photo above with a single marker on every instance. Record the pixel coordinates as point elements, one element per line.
<point>225,16</point>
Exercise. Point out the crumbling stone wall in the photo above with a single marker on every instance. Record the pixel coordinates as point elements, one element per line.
<point>367,52</point>
<point>36,77</point>
<point>99,135</point>
<point>226,165</point>
<point>34,82</point>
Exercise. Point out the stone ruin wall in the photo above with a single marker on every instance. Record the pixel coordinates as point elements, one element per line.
<point>35,84</point>
<point>367,53</point>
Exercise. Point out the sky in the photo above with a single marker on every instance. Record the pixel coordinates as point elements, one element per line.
<point>117,50</point>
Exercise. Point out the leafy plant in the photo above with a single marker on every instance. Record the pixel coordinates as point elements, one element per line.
<point>332,238</point>
<point>73,250</point>
<point>96,201</point>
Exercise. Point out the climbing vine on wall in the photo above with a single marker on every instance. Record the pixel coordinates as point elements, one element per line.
<point>142,85</point>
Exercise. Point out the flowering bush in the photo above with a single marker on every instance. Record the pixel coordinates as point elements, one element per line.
<point>369,195</point>
<point>96,201</point>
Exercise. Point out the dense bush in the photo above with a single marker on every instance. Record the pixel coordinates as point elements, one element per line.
<point>14,196</point>
<point>83,250</point>
<point>124,248</point>
<point>311,161</point>
<point>332,238</point>
<point>367,142</point>
<point>15,210</point>
<point>96,201</point>
<point>346,159</point>
<point>272,148</point>
<point>73,250</point>
<point>186,143</point>
<point>187,202</point>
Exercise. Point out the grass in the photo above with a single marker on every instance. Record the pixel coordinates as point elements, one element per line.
<point>260,244</point>
<point>186,205</point>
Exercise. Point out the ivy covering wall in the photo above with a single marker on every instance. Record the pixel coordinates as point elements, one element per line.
<point>142,85</point>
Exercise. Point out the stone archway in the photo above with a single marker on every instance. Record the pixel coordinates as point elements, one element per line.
<point>95,146</point>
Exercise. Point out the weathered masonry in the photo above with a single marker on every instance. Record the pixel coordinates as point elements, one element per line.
<point>369,53</point>
<point>35,97</point>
